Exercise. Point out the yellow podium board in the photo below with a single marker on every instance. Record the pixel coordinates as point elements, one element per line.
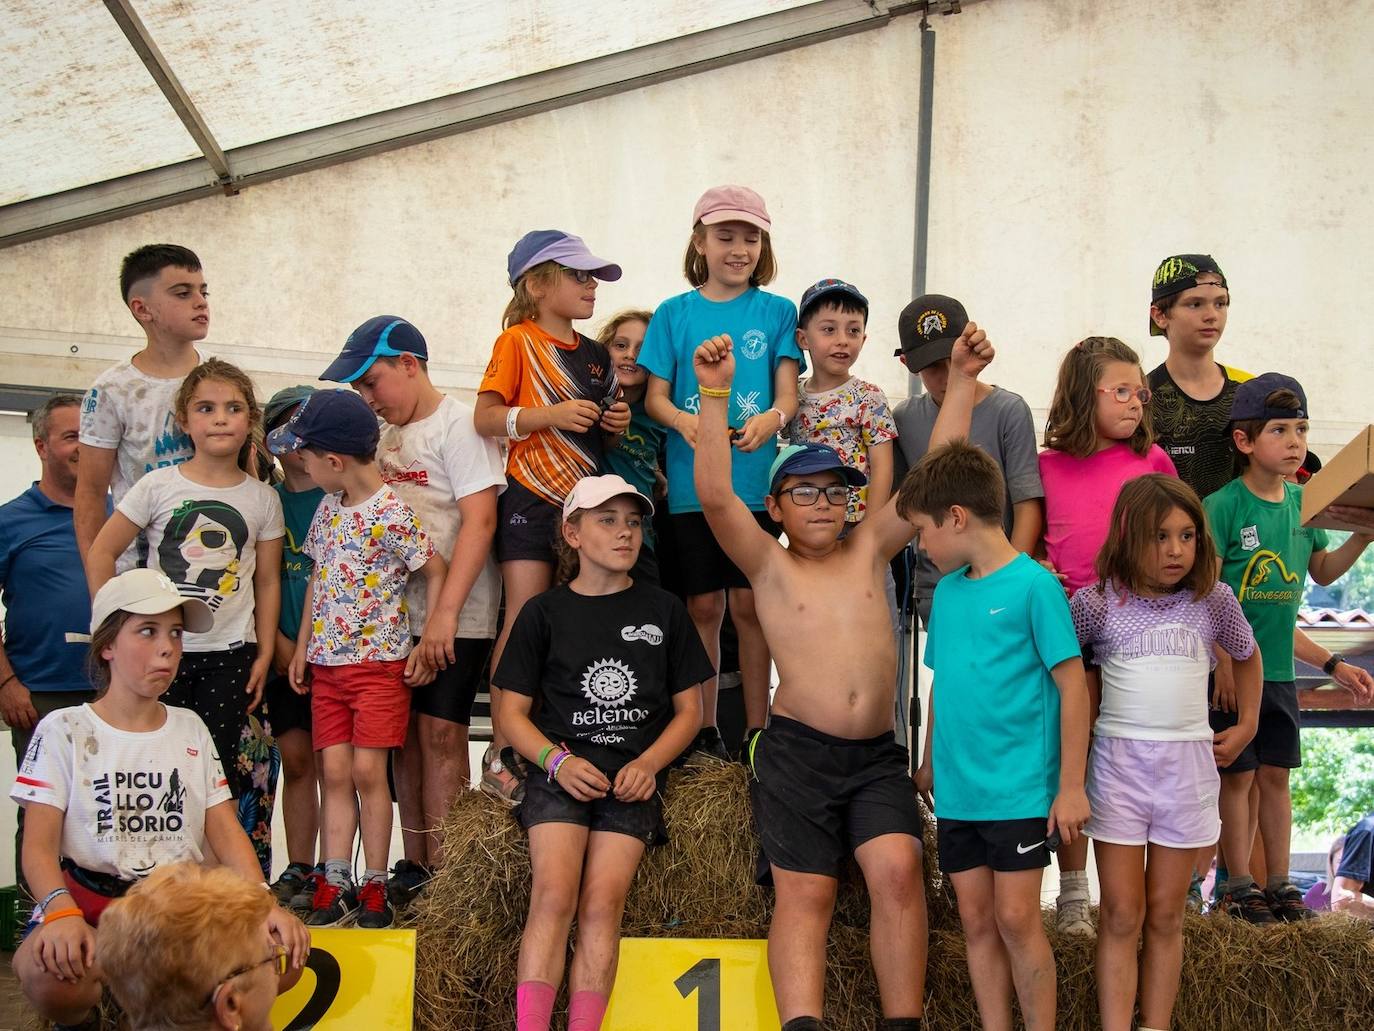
<point>354,979</point>
<point>692,984</point>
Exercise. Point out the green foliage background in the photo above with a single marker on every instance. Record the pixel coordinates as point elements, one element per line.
<point>1334,788</point>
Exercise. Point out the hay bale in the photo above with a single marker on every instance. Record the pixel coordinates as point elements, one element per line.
<point>1317,976</point>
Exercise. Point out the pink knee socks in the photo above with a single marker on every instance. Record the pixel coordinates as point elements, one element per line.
<point>533,1006</point>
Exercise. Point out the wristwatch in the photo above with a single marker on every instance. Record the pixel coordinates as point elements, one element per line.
<point>1329,666</point>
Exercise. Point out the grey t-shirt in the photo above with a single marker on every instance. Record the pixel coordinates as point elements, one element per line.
<point>1001,426</point>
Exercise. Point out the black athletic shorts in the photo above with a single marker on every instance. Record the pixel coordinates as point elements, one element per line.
<point>449,696</point>
<point>548,803</point>
<point>817,798</point>
<point>1002,845</point>
<point>527,526</point>
<point>286,710</point>
<point>1278,741</point>
<point>702,563</point>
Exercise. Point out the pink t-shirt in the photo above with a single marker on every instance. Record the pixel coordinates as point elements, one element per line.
<point>1079,495</point>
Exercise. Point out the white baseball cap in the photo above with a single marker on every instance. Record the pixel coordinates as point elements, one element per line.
<point>592,491</point>
<point>148,592</point>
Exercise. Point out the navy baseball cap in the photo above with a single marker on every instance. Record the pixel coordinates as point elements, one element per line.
<point>382,336</point>
<point>541,245</point>
<point>1249,400</point>
<point>817,292</point>
<point>332,420</point>
<point>798,459</point>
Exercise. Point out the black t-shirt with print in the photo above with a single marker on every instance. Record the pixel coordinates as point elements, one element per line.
<point>603,669</point>
<point>1195,434</point>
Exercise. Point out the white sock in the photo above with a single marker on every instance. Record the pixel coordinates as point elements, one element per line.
<point>1073,884</point>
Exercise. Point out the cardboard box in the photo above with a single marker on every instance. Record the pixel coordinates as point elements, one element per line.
<point>1346,479</point>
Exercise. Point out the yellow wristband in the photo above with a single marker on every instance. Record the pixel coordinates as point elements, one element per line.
<point>715,391</point>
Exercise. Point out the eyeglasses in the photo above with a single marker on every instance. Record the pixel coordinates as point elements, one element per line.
<point>1124,394</point>
<point>278,957</point>
<point>806,495</point>
<point>581,275</point>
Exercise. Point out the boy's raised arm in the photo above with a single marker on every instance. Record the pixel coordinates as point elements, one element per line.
<point>970,355</point>
<point>730,519</point>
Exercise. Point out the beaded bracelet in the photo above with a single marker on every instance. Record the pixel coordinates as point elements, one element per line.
<point>558,761</point>
<point>72,911</point>
<point>544,755</point>
<point>715,391</point>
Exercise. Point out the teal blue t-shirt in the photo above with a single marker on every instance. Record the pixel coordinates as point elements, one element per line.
<point>298,509</point>
<point>763,327</point>
<point>635,457</point>
<point>992,644</point>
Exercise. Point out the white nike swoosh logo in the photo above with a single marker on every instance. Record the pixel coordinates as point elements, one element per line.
<point>993,612</point>
<point>1023,849</point>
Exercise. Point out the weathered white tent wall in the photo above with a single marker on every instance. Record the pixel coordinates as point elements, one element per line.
<point>1076,143</point>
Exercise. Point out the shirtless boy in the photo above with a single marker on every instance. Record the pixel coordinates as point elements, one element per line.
<point>828,778</point>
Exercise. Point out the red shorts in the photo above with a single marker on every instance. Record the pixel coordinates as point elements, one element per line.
<point>366,704</point>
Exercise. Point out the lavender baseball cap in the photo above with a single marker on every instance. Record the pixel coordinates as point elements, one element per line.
<point>542,245</point>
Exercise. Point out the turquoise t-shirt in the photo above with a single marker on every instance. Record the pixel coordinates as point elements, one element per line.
<point>635,457</point>
<point>1265,551</point>
<point>763,327</point>
<point>992,644</point>
<point>298,509</point>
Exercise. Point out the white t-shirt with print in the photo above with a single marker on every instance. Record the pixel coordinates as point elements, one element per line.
<point>133,800</point>
<point>430,464</point>
<point>205,540</point>
<point>131,413</point>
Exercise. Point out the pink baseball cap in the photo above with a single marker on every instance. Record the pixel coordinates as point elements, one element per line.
<point>595,491</point>
<point>731,204</point>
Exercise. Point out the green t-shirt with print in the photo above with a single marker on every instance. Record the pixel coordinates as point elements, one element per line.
<point>1265,551</point>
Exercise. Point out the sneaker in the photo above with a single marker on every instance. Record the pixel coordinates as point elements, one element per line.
<point>1285,902</point>
<point>333,906</point>
<point>1194,901</point>
<point>498,781</point>
<point>291,881</point>
<point>406,882</point>
<point>709,744</point>
<point>304,899</point>
<point>1074,916</point>
<point>374,910</point>
<point>1248,904</point>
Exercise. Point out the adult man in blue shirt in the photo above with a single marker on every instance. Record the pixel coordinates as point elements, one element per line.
<point>43,588</point>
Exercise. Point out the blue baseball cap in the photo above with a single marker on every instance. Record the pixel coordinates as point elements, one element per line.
<point>332,420</point>
<point>1249,401</point>
<point>817,292</point>
<point>541,245</point>
<point>382,336</point>
<point>798,459</point>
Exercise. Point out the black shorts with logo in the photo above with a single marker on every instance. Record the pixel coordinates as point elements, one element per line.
<point>527,526</point>
<point>1278,739</point>
<point>548,803</point>
<point>817,797</point>
<point>1003,845</point>
<point>286,710</point>
<point>449,696</point>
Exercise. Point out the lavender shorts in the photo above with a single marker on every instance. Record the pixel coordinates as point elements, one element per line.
<point>1156,792</point>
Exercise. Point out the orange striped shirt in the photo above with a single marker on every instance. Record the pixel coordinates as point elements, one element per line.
<point>531,369</point>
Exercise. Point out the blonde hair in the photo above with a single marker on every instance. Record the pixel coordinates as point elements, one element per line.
<point>694,262</point>
<point>223,372</point>
<point>613,324</point>
<point>1072,423</point>
<point>524,305</point>
<point>1140,510</point>
<point>165,945</point>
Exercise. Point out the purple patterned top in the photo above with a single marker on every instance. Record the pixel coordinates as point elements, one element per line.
<point>1155,654</point>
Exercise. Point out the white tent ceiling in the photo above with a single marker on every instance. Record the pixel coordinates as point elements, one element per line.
<point>117,106</point>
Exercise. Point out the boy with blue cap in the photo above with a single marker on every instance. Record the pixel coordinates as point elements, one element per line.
<point>828,778</point>
<point>354,653</point>
<point>1266,554</point>
<point>431,455</point>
